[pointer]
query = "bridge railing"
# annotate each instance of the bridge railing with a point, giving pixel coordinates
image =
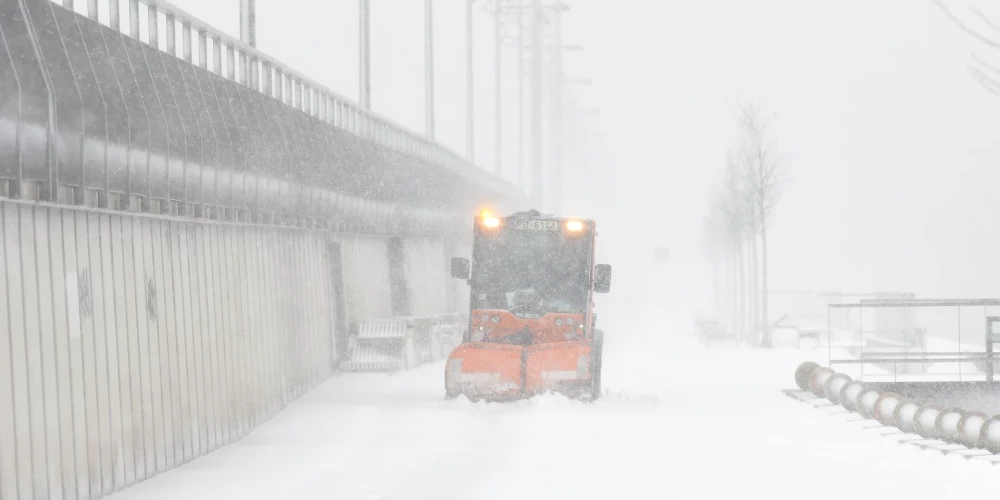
(192, 40)
(135, 105)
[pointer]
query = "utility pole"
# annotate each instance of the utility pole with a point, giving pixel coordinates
(248, 22)
(248, 35)
(556, 177)
(498, 67)
(365, 87)
(520, 95)
(469, 133)
(536, 103)
(429, 68)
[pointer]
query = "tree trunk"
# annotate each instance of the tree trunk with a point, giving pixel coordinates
(766, 339)
(734, 283)
(741, 304)
(754, 290)
(748, 284)
(716, 303)
(744, 257)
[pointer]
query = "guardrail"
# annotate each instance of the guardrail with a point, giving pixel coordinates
(169, 115)
(262, 73)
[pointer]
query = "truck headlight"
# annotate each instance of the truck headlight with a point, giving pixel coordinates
(478, 334)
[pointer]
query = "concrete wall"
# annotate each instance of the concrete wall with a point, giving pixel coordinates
(132, 343)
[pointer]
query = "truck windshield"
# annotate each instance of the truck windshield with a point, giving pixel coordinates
(541, 271)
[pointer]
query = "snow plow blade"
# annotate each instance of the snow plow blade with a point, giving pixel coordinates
(503, 372)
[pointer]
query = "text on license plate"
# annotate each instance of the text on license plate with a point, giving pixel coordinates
(537, 225)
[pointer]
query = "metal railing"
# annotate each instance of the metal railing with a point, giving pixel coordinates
(908, 348)
(135, 105)
(262, 73)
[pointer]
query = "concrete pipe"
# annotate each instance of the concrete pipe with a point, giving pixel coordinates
(802, 374)
(819, 377)
(866, 402)
(903, 416)
(989, 437)
(970, 428)
(850, 393)
(833, 386)
(925, 420)
(885, 407)
(946, 425)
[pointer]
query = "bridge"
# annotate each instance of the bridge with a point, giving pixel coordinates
(191, 232)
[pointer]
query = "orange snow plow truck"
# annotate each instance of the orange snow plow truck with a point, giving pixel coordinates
(531, 320)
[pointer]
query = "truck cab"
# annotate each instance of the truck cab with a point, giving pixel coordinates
(531, 313)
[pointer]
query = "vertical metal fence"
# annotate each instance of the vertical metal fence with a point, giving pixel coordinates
(132, 344)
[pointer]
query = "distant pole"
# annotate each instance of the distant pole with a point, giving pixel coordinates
(469, 132)
(557, 88)
(498, 66)
(429, 68)
(536, 102)
(520, 94)
(365, 87)
(248, 22)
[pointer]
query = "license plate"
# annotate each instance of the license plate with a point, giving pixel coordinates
(537, 225)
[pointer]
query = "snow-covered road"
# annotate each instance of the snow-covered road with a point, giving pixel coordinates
(693, 423)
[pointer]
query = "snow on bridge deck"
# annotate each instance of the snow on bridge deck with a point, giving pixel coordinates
(695, 423)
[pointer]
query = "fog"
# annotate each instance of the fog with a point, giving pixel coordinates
(889, 142)
(180, 318)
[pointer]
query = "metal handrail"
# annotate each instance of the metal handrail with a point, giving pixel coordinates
(327, 106)
(867, 304)
(897, 360)
(916, 354)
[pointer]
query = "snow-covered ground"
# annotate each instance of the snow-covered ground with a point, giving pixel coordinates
(678, 421)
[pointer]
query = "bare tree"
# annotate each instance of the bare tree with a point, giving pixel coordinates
(763, 173)
(719, 244)
(986, 74)
(717, 249)
(733, 205)
(751, 230)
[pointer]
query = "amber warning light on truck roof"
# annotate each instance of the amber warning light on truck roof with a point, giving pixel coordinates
(489, 220)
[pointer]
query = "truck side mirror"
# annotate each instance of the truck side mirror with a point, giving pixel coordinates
(602, 278)
(460, 268)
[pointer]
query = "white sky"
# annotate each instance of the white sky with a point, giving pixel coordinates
(892, 145)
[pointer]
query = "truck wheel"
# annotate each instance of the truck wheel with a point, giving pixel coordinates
(596, 355)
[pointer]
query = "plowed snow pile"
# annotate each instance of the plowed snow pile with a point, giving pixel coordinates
(678, 421)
